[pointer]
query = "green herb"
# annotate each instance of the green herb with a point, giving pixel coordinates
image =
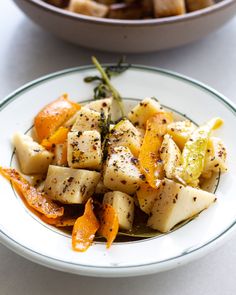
(105, 88)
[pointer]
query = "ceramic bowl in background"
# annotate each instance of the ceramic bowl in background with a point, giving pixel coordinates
(128, 36)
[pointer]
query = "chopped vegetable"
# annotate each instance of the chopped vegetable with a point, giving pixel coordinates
(176, 203)
(70, 186)
(109, 223)
(33, 158)
(181, 131)
(58, 137)
(146, 197)
(37, 200)
(194, 152)
(149, 157)
(53, 115)
(123, 205)
(85, 228)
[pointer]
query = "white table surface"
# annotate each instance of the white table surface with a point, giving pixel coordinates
(26, 53)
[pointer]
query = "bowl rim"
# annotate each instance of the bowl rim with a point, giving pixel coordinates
(224, 4)
(120, 271)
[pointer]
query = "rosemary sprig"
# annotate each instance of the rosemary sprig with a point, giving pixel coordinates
(104, 87)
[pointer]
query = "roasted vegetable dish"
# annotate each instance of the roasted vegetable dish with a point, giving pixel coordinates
(97, 176)
(131, 9)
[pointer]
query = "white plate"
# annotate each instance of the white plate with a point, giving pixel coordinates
(25, 234)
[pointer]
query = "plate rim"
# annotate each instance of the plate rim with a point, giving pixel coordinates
(115, 271)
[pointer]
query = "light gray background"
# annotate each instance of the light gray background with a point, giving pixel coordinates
(26, 53)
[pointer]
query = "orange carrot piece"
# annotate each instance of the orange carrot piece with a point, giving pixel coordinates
(35, 199)
(58, 137)
(149, 156)
(85, 228)
(53, 115)
(109, 223)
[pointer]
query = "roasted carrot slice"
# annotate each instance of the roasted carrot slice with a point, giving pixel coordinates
(58, 137)
(85, 228)
(53, 115)
(109, 223)
(35, 199)
(149, 156)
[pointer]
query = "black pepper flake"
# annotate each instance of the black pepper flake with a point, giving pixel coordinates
(194, 199)
(123, 181)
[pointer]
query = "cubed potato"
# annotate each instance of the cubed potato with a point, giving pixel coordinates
(146, 197)
(170, 155)
(143, 111)
(100, 105)
(193, 5)
(84, 150)
(70, 186)
(176, 203)
(180, 132)
(121, 172)
(168, 7)
(125, 134)
(87, 120)
(33, 158)
(124, 207)
(215, 159)
(60, 155)
(88, 7)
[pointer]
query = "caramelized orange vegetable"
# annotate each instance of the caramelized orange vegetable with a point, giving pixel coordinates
(35, 199)
(109, 223)
(85, 228)
(59, 136)
(53, 115)
(149, 156)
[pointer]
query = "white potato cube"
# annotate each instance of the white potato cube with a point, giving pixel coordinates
(143, 111)
(84, 150)
(125, 134)
(170, 155)
(121, 172)
(33, 158)
(176, 203)
(88, 7)
(70, 186)
(216, 155)
(169, 7)
(100, 105)
(124, 207)
(87, 120)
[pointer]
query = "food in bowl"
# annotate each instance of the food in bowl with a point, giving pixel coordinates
(131, 9)
(138, 176)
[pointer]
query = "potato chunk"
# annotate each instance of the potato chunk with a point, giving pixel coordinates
(143, 111)
(84, 150)
(70, 186)
(33, 158)
(170, 155)
(168, 7)
(121, 172)
(124, 207)
(176, 203)
(146, 197)
(125, 134)
(88, 7)
(180, 131)
(100, 105)
(193, 5)
(215, 159)
(87, 120)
